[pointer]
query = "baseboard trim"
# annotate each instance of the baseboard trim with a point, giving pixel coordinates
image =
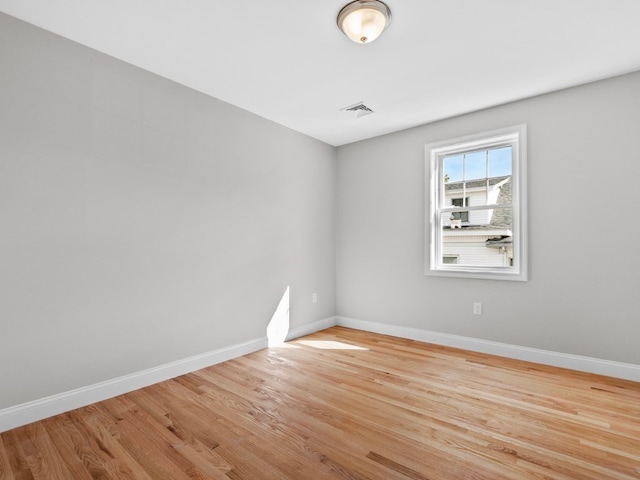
(598, 366)
(312, 328)
(29, 412)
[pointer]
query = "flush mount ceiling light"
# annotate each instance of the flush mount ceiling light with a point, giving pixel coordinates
(364, 20)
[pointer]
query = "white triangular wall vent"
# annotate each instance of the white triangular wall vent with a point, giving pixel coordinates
(357, 110)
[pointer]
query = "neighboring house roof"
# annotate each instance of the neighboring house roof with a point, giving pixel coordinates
(452, 186)
(503, 240)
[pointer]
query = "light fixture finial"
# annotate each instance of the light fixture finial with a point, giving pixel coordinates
(364, 20)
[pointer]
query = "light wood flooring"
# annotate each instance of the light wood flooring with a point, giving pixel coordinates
(345, 404)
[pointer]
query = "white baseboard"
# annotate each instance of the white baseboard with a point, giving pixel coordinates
(29, 412)
(609, 368)
(311, 328)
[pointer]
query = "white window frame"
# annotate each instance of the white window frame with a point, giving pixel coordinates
(435, 203)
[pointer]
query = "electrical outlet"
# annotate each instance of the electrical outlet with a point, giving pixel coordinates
(477, 308)
(314, 297)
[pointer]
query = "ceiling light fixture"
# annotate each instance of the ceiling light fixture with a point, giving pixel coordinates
(364, 20)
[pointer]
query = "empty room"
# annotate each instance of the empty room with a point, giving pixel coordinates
(304, 240)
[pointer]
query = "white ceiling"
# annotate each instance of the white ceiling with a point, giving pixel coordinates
(287, 61)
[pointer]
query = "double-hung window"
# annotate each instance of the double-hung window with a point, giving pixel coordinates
(476, 225)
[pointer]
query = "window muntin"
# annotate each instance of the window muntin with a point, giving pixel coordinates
(477, 206)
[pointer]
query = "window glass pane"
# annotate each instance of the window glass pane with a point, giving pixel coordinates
(462, 216)
(487, 241)
(460, 202)
(475, 165)
(500, 163)
(452, 168)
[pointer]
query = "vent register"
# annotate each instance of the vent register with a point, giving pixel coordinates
(357, 110)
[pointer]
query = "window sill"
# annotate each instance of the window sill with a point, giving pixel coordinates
(508, 273)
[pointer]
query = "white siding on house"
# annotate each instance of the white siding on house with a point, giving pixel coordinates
(472, 250)
(476, 217)
(478, 197)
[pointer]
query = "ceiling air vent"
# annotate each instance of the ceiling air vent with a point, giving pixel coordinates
(357, 110)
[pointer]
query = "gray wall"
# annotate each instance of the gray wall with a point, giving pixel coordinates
(584, 230)
(142, 222)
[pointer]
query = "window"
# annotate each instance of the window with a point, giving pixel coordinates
(449, 259)
(462, 216)
(477, 206)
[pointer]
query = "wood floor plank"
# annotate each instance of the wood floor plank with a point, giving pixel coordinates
(45, 462)
(82, 461)
(144, 441)
(346, 404)
(196, 413)
(5, 467)
(101, 424)
(17, 451)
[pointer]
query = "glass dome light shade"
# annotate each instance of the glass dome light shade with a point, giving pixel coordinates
(364, 20)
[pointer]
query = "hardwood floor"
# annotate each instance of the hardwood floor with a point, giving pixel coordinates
(345, 404)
